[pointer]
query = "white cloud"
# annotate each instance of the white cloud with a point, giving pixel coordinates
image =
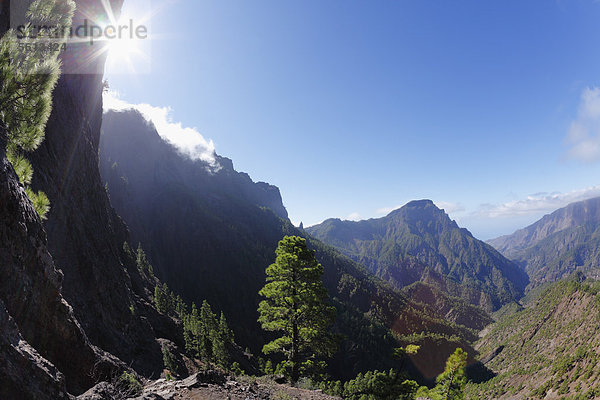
(584, 132)
(187, 140)
(536, 203)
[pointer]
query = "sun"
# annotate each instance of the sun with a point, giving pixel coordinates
(127, 43)
(122, 49)
(125, 54)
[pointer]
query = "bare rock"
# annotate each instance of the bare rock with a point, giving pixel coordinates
(24, 373)
(102, 391)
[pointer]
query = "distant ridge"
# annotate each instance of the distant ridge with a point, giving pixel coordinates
(558, 244)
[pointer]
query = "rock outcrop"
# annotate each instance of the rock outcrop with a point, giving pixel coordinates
(24, 373)
(210, 385)
(31, 290)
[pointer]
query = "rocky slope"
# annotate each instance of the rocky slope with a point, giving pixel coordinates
(549, 350)
(31, 291)
(419, 242)
(24, 373)
(211, 234)
(209, 385)
(558, 244)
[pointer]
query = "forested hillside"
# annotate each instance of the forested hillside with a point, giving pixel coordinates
(210, 233)
(548, 349)
(419, 242)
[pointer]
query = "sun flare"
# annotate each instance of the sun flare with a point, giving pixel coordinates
(127, 43)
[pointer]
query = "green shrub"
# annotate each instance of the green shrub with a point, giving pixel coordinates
(129, 384)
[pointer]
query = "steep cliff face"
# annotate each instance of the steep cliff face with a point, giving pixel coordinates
(24, 373)
(204, 227)
(85, 236)
(31, 292)
(40, 334)
(110, 297)
(557, 245)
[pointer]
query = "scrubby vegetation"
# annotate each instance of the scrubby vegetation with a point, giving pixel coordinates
(127, 385)
(548, 347)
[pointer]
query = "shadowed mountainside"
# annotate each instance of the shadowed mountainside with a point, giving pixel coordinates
(211, 232)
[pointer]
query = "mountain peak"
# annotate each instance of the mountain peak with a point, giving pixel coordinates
(414, 204)
(420, 203)
(404, 245)
(421, 211)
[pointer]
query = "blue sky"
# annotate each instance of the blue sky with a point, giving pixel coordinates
(351, 108)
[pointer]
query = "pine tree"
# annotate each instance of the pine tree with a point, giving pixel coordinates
(194, 327)
(160, 299)
(127, 250)
(296, 304)
(142, 261)
(169, 360)
(223, 338)
(208, 326)
(29, 70)
(451, 382)
(269, 368)
(180, 307)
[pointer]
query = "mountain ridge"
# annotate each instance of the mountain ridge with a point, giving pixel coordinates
(419, 240)
(558, 244)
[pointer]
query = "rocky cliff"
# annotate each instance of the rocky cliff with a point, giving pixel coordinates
(85, 235)
(31, 297)
(560, 243)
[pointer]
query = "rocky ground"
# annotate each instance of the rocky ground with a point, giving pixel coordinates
(209, 385)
